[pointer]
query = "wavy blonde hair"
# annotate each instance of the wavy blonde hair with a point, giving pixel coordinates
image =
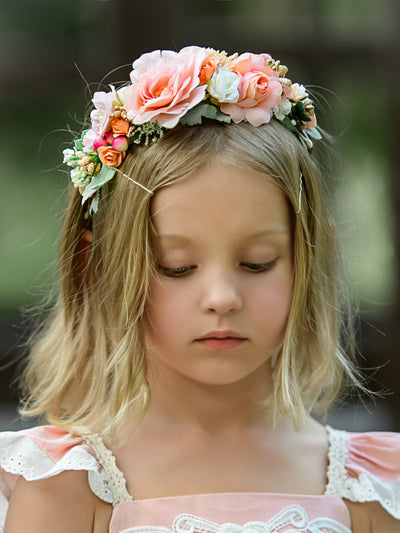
(86, 369)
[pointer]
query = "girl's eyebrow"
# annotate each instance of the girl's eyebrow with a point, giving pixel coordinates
(259, 235)
(274, 230)
(171, 237)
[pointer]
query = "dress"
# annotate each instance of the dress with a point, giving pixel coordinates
(362, 467)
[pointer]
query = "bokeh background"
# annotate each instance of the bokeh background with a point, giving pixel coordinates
(54, 53)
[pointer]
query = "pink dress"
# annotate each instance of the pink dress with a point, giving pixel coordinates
(362, 467)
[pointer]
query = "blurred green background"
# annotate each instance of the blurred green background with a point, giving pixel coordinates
(53, 54)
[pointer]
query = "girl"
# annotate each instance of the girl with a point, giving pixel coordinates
(198, 323)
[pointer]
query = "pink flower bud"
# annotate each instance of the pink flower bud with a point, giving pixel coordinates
(120, 143)
(109, 137)
(100, 141)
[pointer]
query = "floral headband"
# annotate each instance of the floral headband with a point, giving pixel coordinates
(184, 87)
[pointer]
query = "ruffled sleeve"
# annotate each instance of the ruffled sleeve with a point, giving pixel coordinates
(43, 452)
(365, 467)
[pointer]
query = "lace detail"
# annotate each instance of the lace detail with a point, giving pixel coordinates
(114, 477)
(337, 457)
(364, 488)
(293, 517)
(20, 456)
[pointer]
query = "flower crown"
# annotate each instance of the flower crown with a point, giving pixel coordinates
(184, 87)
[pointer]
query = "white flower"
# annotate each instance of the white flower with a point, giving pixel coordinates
(297, 92)
(282, 109)
(223, 86)
(68, 155)
(79, 177)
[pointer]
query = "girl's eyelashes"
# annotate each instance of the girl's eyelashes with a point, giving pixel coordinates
(258, 268)
(177, 272)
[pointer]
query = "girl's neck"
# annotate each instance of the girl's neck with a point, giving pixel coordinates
(183, 402)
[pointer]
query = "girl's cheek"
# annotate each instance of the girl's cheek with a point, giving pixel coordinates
(275, 304)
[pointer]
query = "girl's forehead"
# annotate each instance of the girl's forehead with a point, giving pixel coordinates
(216, 180)
(224, 199)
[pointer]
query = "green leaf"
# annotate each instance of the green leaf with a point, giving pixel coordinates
(314, 133)
(221, 117)
(104, 176)
(299, 113)
(289, 125)
(195, 115)
(204, 110)
(78, 143)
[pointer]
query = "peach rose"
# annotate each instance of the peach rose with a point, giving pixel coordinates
(259, 91)
(297, 92)
(120, 126)
(110, 157)
(165, 85)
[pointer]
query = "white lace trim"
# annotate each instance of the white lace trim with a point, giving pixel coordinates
(337, 457)
(292, 516)
(365, 488)
(115, 478)
(19, 455)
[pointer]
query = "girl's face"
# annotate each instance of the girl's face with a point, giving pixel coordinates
(219, 304)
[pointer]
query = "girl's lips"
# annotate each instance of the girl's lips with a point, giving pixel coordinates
(226, 343)
(221, 340)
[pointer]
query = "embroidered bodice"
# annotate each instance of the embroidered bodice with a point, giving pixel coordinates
(362, 467)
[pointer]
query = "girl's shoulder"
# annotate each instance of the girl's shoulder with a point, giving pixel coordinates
(365, 467)
(61, 503)
(43, 452)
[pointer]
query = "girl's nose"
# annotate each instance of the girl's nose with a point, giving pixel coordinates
(221, 294)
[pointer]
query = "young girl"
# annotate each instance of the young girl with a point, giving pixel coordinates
(198, 323)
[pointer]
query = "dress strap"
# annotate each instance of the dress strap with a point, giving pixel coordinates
(114, 477)
(337, 457)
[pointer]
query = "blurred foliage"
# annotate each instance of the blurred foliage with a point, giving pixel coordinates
(41, 41)
(33, 185)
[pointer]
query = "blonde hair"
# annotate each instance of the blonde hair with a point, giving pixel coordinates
(87, 371)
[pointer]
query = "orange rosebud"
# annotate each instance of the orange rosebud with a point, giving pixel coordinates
(213, 59)
(110, 157)
(120, 126)
(208, 68)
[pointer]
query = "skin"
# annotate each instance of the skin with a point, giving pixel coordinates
(219, 272)
(225, 272)
(225, 268)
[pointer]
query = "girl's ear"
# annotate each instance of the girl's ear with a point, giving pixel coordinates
(83, 250)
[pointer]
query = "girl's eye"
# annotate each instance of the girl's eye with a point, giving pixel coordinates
(259, 267)
(175, 272)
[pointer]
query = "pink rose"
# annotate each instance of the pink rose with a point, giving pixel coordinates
(100, 116)
(88, 140)
(259, 91)
(165, 85)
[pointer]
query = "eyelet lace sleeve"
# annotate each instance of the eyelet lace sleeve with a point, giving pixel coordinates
(365, 467)
(43, 452)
